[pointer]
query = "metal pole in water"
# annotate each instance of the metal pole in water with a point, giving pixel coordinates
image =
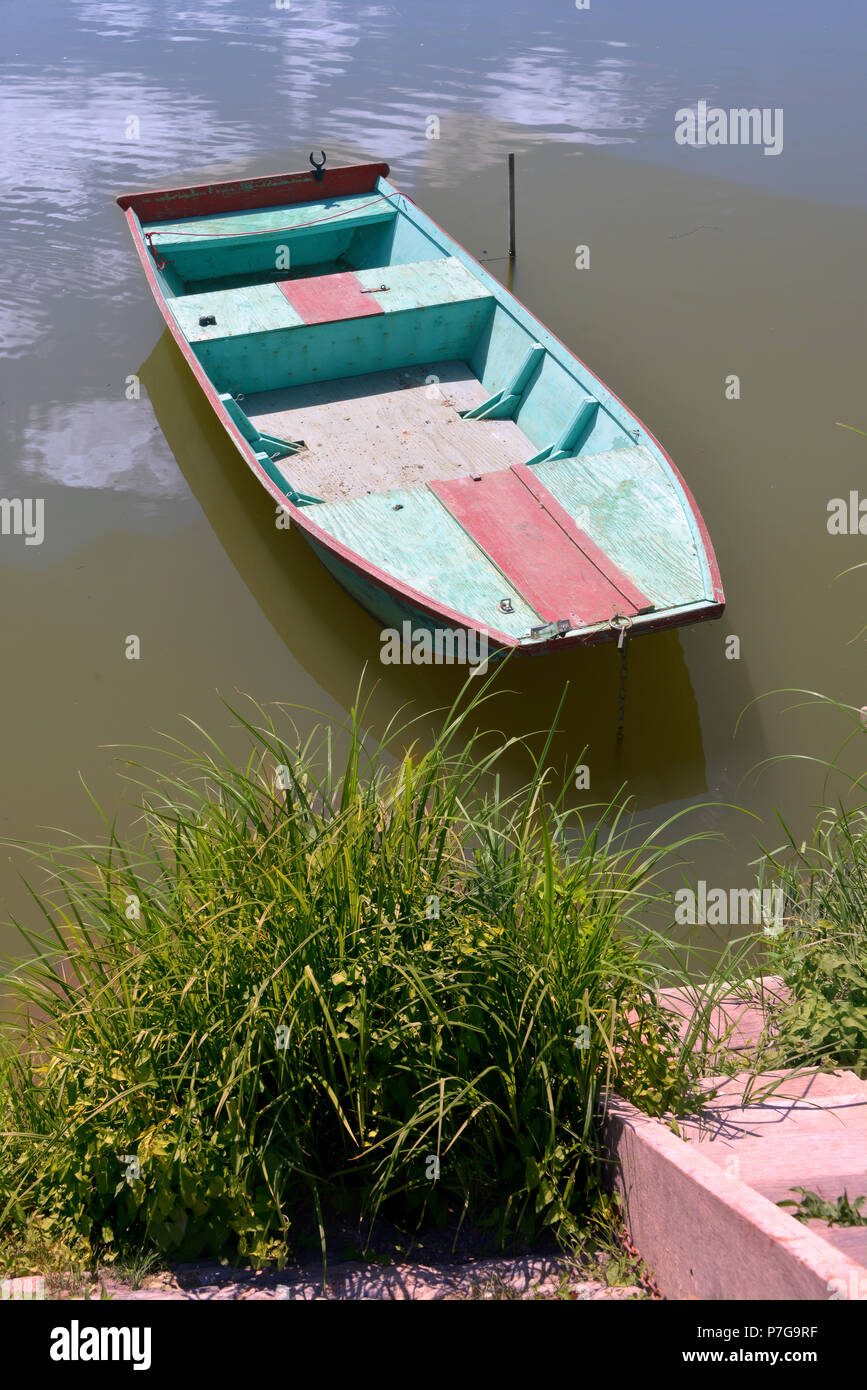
(512, 206)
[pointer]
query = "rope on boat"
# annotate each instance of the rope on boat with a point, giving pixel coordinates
(160, 265)
(272, 231)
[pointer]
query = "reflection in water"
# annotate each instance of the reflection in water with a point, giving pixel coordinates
(85, 129)
(597, 103)
(97, 444)
(73, 130)
(693, 277)
(333, 638)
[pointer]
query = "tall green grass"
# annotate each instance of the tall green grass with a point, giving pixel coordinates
(821, 953)
(384, 988)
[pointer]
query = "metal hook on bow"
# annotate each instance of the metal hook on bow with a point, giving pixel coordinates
(620, 623)
(318, 169)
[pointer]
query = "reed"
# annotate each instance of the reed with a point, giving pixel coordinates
(387, 987)
(821, 950)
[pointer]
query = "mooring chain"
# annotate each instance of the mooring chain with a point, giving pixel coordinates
(621, 695)
(622, 625)
(647, 1280)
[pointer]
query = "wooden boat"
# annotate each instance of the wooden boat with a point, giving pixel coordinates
(450, 461)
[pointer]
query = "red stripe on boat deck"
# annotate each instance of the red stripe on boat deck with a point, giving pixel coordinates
(606, 566)
(328, 298)
(538, 547)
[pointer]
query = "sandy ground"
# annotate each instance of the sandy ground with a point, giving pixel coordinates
(524, 1278)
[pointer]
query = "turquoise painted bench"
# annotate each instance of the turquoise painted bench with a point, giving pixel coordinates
(254, 309)
(263, 308)
(244, 242)
(428, 311)
(359, 211)
(235, 313)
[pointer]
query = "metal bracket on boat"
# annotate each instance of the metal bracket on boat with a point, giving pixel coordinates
(318, 169)
(622, 624)
(555, 629)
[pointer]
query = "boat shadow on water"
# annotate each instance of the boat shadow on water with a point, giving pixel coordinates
(661, 755)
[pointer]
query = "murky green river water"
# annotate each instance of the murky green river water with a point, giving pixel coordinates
(704, 263)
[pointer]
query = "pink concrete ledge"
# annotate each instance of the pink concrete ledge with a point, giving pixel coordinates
(706, 1235)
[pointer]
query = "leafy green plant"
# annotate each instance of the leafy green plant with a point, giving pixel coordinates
(820, 947)
(811, 1206)
(134, 1266)
(390, 989)
(821, 954)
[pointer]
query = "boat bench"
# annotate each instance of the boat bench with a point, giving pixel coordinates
(289, 332)
(205, 248)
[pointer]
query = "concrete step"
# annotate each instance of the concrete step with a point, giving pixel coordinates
(849, 1240)
(774, 1085)
(708, 1235)
(737, 1019)
(831, 1115)
(704, 1212)
(795, 1158)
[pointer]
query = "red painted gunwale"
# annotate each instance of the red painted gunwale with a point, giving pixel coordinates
(153, 205)
(239, 195)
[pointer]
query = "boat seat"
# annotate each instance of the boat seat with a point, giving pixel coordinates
(411, 536)
(629, 506)
(288, 332)
(318, 299)
(207, 234)
(219, 314)
(231, 243)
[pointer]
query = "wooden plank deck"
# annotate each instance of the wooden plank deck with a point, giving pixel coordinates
(543, 562)
(410, 535)
(387, 430)
(631, 509)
